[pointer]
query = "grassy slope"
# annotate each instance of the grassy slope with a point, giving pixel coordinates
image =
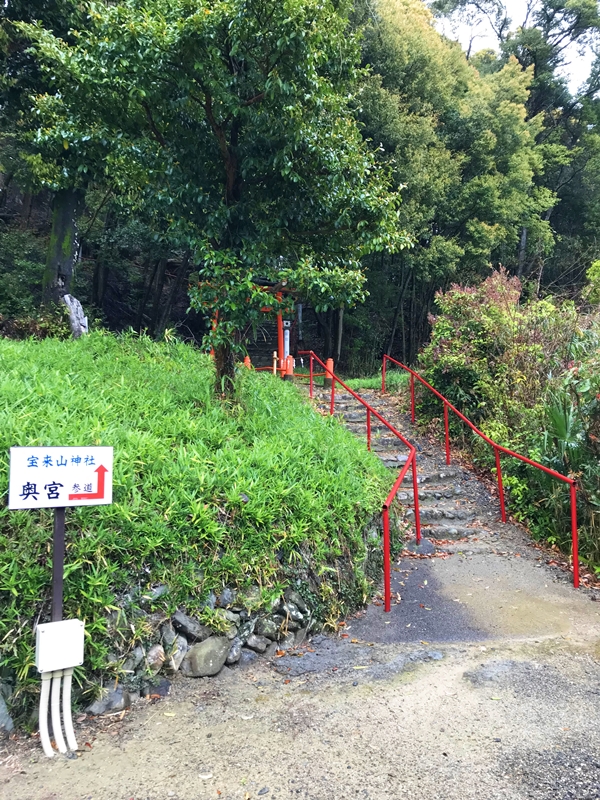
(205, 495)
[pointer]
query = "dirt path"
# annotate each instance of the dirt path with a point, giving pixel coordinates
(483, 682)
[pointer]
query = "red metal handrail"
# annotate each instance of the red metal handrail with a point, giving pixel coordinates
(411, 462)
(498, 448)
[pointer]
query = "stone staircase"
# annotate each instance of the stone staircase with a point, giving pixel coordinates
(453, 502)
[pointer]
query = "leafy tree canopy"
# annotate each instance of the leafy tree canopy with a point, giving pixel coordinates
(230, 124)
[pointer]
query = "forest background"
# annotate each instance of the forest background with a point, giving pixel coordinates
(444, 163)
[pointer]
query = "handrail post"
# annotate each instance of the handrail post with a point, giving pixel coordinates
(368, 428)
(383, 374)
(416, 498)
(447, 431)
(500, 485)
(412, 398)
(574, 535)
(387, 561)
(332, 404)
(311, 376)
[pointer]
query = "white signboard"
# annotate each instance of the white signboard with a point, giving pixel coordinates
(56, 477)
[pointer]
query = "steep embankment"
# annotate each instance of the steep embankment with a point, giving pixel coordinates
(250, 495)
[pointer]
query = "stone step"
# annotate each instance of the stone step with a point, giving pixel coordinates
(434, 478)
(393, 460)
(450, 532)
(428, 513)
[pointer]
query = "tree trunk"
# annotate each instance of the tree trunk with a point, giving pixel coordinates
(158, 289)
(173, 292)
(340, 333)
(147, 288)
(399, 305)
(225, 368)
(64, 245)
(99, 282)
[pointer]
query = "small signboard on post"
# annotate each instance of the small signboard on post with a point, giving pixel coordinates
(59, 477)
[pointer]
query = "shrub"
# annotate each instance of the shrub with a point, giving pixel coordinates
(528, 375)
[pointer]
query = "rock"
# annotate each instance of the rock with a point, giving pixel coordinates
(293, 597)
(300, 636)
(293, 612)
(211, 600)
(289, 640)
(227, 597)
(168, 634)
(235, 618)
(7, 725)
(152, 595)
(134, 659)
(156, 658)
(268, 627)
(206, 658)
(177, 653)
(77, 319)
(251, 597)
(235, 651)
(192, 629)
(258, 643)
(115, 700)
(156, 687)
(247, 657)
(246, 629)
(272, 649)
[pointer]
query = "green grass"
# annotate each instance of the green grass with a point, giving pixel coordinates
(395, 379)
(259, 490)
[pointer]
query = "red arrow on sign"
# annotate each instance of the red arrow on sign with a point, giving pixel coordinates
(98, 495)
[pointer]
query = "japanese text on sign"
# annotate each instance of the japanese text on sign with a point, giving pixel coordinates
(55, 477)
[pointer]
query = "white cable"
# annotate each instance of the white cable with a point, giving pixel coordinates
(44, 697)
(67, 716)
(56, 726)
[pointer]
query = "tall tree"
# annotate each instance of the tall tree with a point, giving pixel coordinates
(235, 117)
(463, 149)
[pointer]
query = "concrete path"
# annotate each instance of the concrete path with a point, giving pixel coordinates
(483, 683)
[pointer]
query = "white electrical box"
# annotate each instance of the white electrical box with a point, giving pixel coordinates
(59, 645)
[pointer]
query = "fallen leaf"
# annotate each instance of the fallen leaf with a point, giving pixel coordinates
(169, 714)
(205, 776)
(360, 667)
(345, 635)
(287, 680)
(88, 745)
(354, 641)
(422, 642)
(250, 716)
(279, 653)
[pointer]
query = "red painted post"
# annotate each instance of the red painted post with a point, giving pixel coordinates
(412, 398)
(574, 536)
(416, 499)
(368, 428)
(387, 562)
(500, 484)
(383, 375)
(280, 347)
(447, 430)
(311, 376)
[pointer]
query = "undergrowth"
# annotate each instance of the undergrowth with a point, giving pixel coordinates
(258, 491)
